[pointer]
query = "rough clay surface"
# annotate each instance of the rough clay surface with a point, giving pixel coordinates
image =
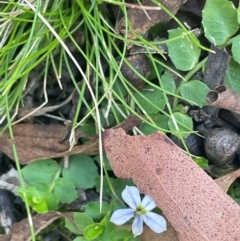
(195, 206)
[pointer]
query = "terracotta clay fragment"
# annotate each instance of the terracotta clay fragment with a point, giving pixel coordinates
(192, 202)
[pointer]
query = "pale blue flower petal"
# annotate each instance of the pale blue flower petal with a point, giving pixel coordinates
(137, 226)
(131, 196)
(155, 221)
(148, 203)
(121, 216)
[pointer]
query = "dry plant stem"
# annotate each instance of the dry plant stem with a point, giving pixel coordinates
(225, 98)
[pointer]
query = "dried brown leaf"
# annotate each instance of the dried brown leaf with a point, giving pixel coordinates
(21, 230)
(192, 202)
(34, 141)
(225, 181)
(139, 20)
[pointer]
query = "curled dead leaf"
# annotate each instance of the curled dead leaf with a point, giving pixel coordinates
(225, 98)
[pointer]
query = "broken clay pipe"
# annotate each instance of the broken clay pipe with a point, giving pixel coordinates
(225, 98)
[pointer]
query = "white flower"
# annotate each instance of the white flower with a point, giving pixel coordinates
(140, 211)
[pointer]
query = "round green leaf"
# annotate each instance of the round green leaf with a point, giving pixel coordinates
(106, 189)
(117, 235)
(117, 115)
(82, 171)
(219, 21)
(117, 87)
(52, 201)
(119, 184)
(65, 190)
(88, 128)
(238, 14)
(108, 229)
(237, 192)
(233, 76)
(81, 220)
(168, 83)
(93, 209)
(41, 186)
(195, 91)
(160, 120)
(80, 239)
(153, 100)
(155, 72)
(42, 170)
(236, 48)
(183, 51)
(92, 231)
(105, 161)
(184, 124)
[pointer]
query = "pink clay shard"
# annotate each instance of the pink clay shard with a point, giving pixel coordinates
(192, 202)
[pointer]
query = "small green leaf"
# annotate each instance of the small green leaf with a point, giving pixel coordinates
(106, 189)
(180, 108)
(236, 48)
(238, 14)
(119, 88)
(184, 124)
(41, 186)
(168, 83)
(153, 100)
(153, 74)
(42, 170)
(160, 120)
(237, 192)
(80, 239)
(116, 113)
(88, 128)
(93, 209)
(81, 220)
(119, 235)
(119, 185)
(219, 21)
(108, 229)
(195, 91)
(105, 161)
(52, 201)
(106, 121)
(92, 231)
(201, 161)
(82, 171)
(233, 76)
(36, 199)
(183, 51)
(65, 190)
